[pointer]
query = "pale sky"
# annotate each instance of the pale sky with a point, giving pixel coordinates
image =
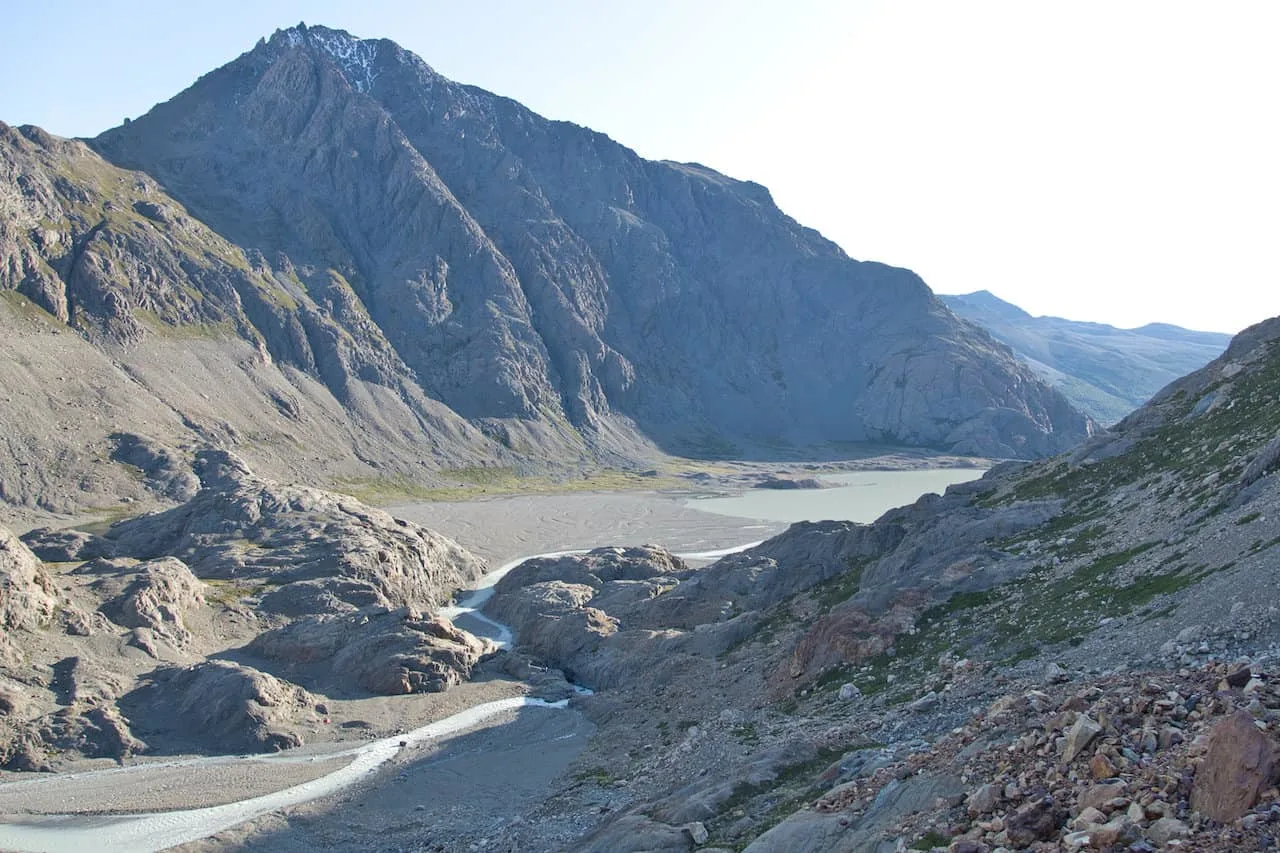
(1107, 161)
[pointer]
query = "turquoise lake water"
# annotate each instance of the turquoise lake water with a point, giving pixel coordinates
(853, 496)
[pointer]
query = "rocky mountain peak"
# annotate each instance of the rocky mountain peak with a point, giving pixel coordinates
(541, 278)
(357, 58)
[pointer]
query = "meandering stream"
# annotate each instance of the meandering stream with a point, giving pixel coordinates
(152, 832)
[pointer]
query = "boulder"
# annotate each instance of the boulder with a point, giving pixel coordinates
(1240, 763)
(1079, 736)
(1034, 821)
(983, 800)
(1166, 829)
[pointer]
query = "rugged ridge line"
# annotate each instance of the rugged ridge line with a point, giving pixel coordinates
(1105, 371)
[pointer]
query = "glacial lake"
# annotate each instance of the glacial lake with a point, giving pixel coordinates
(861, 496)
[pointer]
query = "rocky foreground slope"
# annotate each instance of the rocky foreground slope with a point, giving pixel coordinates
(337, 263)
(234, 622)
(1078, 653)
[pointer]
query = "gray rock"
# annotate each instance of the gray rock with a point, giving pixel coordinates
(810, 831)
(983, 800)
(219, 706)
(387, 653)
(160, 595)
(634, 833)
(27, 596)
(1166, 829)
(66, 545)
(98, 731)
(242, 527)
(165, 470)
(1079, 736)
(697, 831)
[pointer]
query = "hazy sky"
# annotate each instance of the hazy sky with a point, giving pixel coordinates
(1109, 161)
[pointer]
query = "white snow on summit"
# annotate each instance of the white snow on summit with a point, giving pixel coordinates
(354, 56)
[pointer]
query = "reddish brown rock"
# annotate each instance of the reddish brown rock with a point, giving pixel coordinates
(1096, 796)
(1241, 763)
(1033, 822)
(1239, 677)
(1101, 767)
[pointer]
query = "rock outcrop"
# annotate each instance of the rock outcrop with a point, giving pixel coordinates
(220, 706)
(590, 614)
(123, 656)
(261, 536)
(387, 653)
(66, 545)
(157, 595)
(27, 596)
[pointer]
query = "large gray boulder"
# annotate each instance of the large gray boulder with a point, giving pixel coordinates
(387, 653)
(220, 706)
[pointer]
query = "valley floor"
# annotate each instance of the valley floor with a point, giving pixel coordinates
(486, 774)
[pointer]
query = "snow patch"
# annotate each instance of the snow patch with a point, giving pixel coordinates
(354, 56)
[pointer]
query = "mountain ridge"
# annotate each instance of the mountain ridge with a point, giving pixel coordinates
(346, 287)
(631, 255)
(1106, 371)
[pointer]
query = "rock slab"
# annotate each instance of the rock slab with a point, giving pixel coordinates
(1240, 764)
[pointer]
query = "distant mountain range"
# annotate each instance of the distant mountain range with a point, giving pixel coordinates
(336, 262)
(1105, 371)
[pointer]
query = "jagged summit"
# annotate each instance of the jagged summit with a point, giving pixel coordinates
(355, 56)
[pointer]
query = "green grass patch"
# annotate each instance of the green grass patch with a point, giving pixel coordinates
(840, 588)
(104, 517)
(930, 840)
